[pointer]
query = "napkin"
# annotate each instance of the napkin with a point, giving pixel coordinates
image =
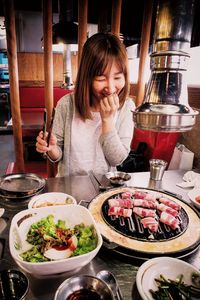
(190, 179)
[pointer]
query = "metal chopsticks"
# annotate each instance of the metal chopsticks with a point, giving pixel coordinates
(44, 123)
(45, 127)
(50, 126)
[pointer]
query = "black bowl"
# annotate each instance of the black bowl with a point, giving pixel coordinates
(14, 285)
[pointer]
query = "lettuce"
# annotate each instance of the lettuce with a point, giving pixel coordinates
(46, 234)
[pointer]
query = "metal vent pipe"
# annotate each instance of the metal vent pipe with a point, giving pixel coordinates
(165, 106)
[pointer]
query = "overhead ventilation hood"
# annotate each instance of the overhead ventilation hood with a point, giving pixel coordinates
(165, 106)
(65, 31)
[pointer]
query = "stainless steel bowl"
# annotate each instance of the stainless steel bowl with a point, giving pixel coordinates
(14, 285)
(86, 286)
(118, 178)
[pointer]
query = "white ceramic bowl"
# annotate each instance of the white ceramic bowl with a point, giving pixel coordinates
(170, 268)
(72, 215)
(51, 199)
(193, 194)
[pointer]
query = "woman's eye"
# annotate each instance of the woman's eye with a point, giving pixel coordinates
(100, 79)
(118, 77)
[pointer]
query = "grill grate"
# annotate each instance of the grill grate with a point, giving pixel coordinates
(133, 228)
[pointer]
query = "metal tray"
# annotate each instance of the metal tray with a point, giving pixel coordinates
(20, 184)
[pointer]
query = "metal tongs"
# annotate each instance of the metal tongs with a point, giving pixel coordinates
(50, 126)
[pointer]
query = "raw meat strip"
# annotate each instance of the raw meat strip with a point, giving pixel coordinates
(169, 220)
(119, 211)
(168, 209)
(150, 197)
(126, 195)
(144, 203)
(144, 212)
(170, 203)
(126, 203)
(140, 195)
(150, 223)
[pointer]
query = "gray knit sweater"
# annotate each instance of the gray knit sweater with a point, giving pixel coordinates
(115, 144)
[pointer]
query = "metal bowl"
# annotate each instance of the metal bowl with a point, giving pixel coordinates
(84, 286)
(118, 178)
(13, 285)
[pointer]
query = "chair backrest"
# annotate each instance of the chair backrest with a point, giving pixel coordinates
(33, 97)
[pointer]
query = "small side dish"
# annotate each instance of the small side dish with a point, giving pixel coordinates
(194, 196)
(51, 199)
(118, 178)
(175, 289)
(14, 284)
(168, 278)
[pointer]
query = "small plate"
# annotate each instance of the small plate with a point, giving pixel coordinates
(21, 184)
(193, 194)
(51, 199)
(170, 268)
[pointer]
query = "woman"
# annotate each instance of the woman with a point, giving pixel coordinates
(93, 127)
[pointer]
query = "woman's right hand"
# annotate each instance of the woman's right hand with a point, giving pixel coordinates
(41, 144)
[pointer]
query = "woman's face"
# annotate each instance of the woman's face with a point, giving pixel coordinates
(110, 82)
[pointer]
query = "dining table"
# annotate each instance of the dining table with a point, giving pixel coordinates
(84, 189)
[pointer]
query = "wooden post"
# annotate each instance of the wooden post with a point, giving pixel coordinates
(48, 67)
(144, 47)
(116, 16)
(82, 25)
(103, 16)
(14, 83)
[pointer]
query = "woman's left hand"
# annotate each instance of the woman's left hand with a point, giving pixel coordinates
(108, 107)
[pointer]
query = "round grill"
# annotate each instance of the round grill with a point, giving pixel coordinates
(133, 228)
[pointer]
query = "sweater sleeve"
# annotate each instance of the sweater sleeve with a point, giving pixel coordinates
(61, 115)
(116, 144)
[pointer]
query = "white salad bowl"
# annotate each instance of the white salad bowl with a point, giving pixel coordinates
(51, 199)
(72, 215)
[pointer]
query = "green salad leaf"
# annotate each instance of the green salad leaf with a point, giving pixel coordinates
(46, 234)
(87, 239)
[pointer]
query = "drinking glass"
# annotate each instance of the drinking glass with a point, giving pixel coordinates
(157, 168)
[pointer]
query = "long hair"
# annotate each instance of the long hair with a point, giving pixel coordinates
(99, 51)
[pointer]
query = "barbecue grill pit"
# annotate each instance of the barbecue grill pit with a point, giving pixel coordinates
(133, 228)
(126, 237)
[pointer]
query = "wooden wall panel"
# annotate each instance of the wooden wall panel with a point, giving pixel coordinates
(31, 68)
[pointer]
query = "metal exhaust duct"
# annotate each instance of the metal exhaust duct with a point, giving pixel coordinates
(66, 32)
(165, 107)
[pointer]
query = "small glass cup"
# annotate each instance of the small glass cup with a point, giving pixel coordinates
(157, 168)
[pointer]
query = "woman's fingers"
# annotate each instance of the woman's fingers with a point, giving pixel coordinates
(110, 103)
(41, 143)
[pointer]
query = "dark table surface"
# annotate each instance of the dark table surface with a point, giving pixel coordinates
(82, 188)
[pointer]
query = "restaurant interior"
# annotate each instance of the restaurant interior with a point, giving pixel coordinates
(136, 26)
(41, 43)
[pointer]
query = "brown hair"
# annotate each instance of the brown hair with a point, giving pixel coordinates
(99, 50)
